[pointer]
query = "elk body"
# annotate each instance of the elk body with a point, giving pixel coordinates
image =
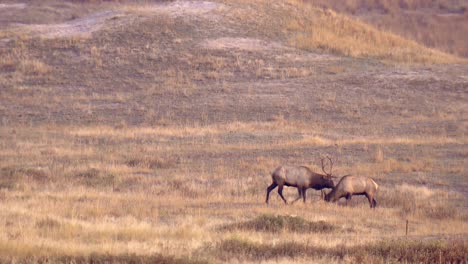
(300, 177)
(354, 185)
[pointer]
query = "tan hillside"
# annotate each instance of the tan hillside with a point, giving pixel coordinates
(441, 24)
(146, 131)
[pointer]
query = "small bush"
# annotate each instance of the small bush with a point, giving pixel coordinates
(275, 224)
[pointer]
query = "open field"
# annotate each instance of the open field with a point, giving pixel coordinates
(147, 132)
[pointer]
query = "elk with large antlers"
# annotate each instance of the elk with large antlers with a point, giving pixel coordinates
(300, 177)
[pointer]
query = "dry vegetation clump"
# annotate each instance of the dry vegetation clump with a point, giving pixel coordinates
(153, 162)
(107, 258)
(14, 176)
(243, 249)
(93, 178)
(280, 223)
(382, 251)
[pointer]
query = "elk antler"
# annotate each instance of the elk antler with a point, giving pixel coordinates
(323, 166)
(331, 164)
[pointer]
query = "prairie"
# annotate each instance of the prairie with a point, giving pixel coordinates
(147, 131)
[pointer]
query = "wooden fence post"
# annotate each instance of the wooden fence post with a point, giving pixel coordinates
(406, 226)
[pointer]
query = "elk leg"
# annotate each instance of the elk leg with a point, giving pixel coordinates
(348, 198)
(371, 202)
(269, 189)
(304, 191)
(280, 192)
(299, 191)
(374, 203)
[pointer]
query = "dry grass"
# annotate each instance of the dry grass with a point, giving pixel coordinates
(385, 251)
(275, 224)
(337, 33)
(99, 193)
(141, 143)
(427, 22)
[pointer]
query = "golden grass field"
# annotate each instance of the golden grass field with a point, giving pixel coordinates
(147, 131)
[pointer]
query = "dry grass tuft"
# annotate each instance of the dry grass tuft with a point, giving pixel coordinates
(34, 67)
(279, 223)
(153, 162)
(93, 178)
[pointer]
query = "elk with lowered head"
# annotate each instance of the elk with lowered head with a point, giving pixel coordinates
(354, 185)
(300, 177)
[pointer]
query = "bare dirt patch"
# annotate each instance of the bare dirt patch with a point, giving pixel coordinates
(248, 44)
(15, 6)
(178, 8)
(75, 28)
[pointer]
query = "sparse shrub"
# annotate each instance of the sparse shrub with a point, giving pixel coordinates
(47, 223)
(153, 163)
(88, 174)
(275, 224)
(184, 187)
(160, 163)
(94, 178)
(12, 176)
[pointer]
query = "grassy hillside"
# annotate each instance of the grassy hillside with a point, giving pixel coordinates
(147, 131)
(441, 24)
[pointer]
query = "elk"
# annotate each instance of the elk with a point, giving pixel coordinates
(300, 177)
(354, 185)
